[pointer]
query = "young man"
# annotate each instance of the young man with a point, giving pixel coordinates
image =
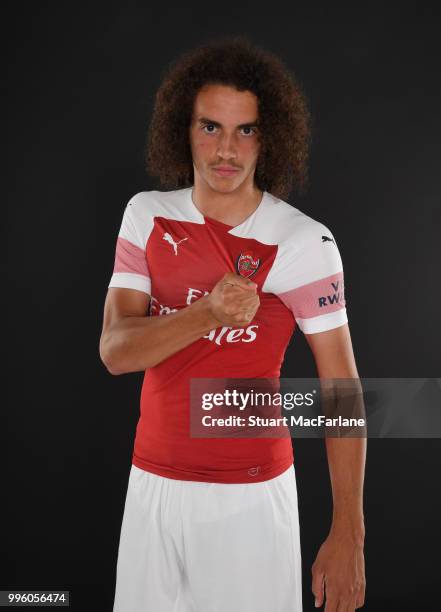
(210, 280)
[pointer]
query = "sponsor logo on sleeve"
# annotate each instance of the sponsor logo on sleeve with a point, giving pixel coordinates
(338, 297)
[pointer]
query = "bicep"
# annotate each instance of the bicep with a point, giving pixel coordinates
(123, 302)
(333, 353)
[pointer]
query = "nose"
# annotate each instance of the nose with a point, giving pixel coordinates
(226, 146)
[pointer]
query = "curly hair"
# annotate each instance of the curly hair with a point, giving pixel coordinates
(284, 118)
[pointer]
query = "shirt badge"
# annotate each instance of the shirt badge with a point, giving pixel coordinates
(245, 264)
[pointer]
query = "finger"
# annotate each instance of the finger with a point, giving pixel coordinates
(347, 604)
(342, 606)
(352, 604)
(331, 602)
(249, 308)
(318, 588)
(245, 317)
(359, 601)
(238, 292)
(251, 302)
(239, 309)
(331, 597)
(239, 281)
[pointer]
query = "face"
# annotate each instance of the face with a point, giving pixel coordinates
(224, 137)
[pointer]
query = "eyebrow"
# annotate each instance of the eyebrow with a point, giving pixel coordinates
(217, 124)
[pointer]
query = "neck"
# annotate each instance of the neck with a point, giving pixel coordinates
(231, 207)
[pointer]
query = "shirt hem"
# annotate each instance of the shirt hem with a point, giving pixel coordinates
(237, 477)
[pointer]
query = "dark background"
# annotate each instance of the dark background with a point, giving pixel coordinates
(81, 82)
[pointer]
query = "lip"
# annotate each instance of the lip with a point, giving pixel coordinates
(225, 170)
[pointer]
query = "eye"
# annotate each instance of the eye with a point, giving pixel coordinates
(250, 133)
(209, 125)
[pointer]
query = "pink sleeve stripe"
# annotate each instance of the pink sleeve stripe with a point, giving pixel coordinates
(319, 297)
(130, 258)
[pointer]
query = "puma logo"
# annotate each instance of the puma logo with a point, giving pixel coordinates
(174, 244)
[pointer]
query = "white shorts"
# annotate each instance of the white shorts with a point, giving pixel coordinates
(189, 546)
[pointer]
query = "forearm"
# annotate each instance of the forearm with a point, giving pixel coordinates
(346, 458)
(339, 565)
(135, 344)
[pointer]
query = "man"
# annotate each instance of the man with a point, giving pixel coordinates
(210, 281)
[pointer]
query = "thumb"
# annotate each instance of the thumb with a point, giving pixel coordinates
(245, 284)
(318, 587)
(250, 284)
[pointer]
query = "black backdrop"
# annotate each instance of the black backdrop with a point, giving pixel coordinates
(81, 81)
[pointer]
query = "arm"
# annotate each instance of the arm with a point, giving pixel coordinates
(131, 341)
(339, 566)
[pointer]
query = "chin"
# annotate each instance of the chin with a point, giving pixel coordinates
(224, 186)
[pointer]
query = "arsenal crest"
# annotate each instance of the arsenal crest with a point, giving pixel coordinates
(246, 265)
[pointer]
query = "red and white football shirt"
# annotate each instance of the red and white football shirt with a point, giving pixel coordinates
(168, 249)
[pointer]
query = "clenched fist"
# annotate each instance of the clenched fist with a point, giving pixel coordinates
(234, 300)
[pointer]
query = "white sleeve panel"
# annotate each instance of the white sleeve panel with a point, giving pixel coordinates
(307, 276)
(130, 268)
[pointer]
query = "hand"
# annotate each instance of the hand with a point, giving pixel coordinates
(339, 570)
(234, 300)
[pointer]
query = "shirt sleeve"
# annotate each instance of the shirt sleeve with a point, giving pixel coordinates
(130, 268)
(313, 270)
